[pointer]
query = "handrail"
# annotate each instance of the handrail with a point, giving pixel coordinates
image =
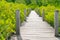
(56, 21)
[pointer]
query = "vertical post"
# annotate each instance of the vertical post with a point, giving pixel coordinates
(56, 22)
(25, 14)
(29, 10)
(43, 14)
(18, 25)
(38, 12)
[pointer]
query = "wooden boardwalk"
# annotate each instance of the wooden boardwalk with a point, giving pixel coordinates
(36, 29)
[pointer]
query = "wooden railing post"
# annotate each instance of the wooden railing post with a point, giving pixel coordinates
(56, 23)
(43, 14)
(38, 12)
(29, 10)
(25, 14)
(18, 25)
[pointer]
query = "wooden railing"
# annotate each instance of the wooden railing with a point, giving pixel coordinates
(56, 21)
(18, 23)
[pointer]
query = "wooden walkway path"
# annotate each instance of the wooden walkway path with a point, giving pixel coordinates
(36, 29)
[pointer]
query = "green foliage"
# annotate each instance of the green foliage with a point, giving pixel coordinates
(8, 10)
(28, 11)
(49, 14)
(8, 18)
(59, 30)
(28, 2)
(10, 0)
(37, 10)
(32, 6)
(20, 1)
(38, 2)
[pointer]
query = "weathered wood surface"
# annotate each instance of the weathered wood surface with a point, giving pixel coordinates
(56, 22)
(36, 29)
(18, 25)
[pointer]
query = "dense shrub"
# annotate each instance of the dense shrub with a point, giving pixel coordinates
(32, 6)
(37, 10)
(8, 18)
(49, 14)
